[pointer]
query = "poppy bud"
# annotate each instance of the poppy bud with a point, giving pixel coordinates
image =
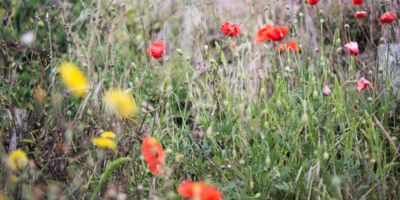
(179, 51)
(315, 94)
(304, 119)
(339, 50)
(325, 156)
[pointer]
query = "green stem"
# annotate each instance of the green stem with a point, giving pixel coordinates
(110, 168)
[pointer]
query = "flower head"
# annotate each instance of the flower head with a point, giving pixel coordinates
(290, 46)
(198, 191)
(74, 79)
(388, 18)
(358, 2)
(352, 48)
(364, 84)
(108, 135)
(269, 32)
(156, 49)
(326, 91)
(361, 14)
(230, 29)
(104, 143)
(153, 154)
(17, 160)
(313, 2)
(119, 102)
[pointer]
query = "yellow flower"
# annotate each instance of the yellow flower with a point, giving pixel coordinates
(119, 102)
(108, 135)
(12, 178)
(104, 143)
(2, 196)
(39, 94)
(17, 160)
(74, 79)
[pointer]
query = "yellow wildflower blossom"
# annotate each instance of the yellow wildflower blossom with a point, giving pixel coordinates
(104, 143)
(74, 79)
(17, 160)
(108, 135)
(119, 102)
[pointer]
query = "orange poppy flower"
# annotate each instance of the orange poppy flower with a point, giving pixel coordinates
(153, 154)
(199, 191)
(269, 32)
(290, 46)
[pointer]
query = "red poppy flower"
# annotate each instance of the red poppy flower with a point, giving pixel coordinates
(153, 154)
(313, 2)
(156, 49)
(388, 18)
(358, 2)
(290, 46)
(364, 84)
(198, 191)
(361, 14)
(269, 32)
(352, 48)
(230, 29)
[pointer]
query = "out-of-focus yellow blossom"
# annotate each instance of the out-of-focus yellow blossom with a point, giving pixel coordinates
(104, 143)
(119, 102)
(17, 160)
(74, 79)
(12, 178)
(108, 135)
(40, 94)
(2, 196)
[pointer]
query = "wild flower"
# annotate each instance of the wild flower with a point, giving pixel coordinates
(269, 32)
(104, 143)
(290, 46)
(326, 91)
(199, 191)
(352, 48)
(388, 18)
(74, 79)
(119, 102)
(153, 154)
(230, 29)
(364, 84)
(156, 49)
(313, 2)
(108, 135)
(358, 2)
(361, 14)
(17, 160)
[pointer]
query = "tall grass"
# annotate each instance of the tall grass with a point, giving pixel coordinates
(227, 111)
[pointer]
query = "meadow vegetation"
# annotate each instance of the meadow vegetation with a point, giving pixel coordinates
(156, 100)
